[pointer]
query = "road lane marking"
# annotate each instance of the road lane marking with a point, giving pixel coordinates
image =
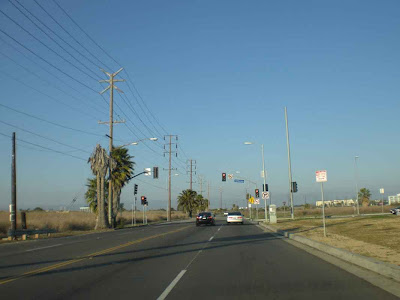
(89, 256)
(171, 285)
(34, 249)
(211, 238)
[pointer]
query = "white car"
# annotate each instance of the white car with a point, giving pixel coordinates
(235, 217)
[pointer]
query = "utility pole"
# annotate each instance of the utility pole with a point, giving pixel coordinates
(289, 166)
(201, 185)
(356, 179)
(170, 169)
(266, 212)
(111, 87)
(220, 197)
(208, 194)
(13, 206)
(192, 169)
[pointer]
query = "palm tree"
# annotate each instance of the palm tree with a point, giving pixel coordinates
(187, 201)
(99, 164)
(363, 195)
(91, 194)
(121, 174)
(201, 203)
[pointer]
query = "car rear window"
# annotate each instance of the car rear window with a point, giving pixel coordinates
(235, 213)
(205, 214)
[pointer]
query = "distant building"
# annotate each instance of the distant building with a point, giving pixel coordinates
(334, 203)
(394, 199)
(85, 209)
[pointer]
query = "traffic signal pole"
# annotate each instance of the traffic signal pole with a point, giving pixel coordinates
(289, 166)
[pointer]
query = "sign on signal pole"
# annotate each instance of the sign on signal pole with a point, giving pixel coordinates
(265, 195)
(381, 191)
(321, 176)
(230, 176)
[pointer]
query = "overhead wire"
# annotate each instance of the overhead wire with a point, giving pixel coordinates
(44, 137)
(44, 147)
(45, 45)
(114, 60)
(57, 43)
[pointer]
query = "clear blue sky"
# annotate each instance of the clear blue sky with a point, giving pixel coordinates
(215, 73)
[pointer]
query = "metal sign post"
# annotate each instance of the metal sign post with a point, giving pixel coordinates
(382, 191)
(321, 176)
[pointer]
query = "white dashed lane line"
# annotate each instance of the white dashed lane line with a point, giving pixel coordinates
(181, 273)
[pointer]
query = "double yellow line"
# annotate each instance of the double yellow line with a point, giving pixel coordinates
(89, 256)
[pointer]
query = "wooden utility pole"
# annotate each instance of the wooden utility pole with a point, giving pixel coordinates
(111, 87)
(208, 194)
(13, 206)
(169, 171)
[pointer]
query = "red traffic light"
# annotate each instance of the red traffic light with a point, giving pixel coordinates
(223, 176)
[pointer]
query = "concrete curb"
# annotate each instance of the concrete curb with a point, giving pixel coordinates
(382, 268)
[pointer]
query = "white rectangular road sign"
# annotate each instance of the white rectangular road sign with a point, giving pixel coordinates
(321, 176)
(230, 176)
(382, 191)
(257, 201)
(265, 195)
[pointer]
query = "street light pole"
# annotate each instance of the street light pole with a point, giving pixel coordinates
(289, 165)
(356, 179)
(266, 212)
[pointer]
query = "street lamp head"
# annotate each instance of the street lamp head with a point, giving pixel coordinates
(153, 139)
(134, 143)
(248, 143)
(356, 156)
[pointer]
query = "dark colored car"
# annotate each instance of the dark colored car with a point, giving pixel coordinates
(205, 218)
(395, 211)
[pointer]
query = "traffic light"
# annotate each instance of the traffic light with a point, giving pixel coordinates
(223, 176)
(155, 172)
(265, 187)
(143, 200)
(257, 192)
(294, 187)
(135, 189)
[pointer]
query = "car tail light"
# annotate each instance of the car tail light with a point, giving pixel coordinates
(240, 217)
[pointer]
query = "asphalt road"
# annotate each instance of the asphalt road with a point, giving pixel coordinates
(176, 261)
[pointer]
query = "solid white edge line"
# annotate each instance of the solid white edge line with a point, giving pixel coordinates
(211, 238)
(43, 248)
(171, 285)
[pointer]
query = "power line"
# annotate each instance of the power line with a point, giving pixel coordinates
(46, 61)
(42, 43)
(3, 73)
(44, 137)
(48, 82)
(47, 148)
(53, 75)
(57, 43)
(50, 122)
(83, 55)
(105, 52)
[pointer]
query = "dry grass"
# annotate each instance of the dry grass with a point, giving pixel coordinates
(300, 212)
(374, 236)
(76, 221)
